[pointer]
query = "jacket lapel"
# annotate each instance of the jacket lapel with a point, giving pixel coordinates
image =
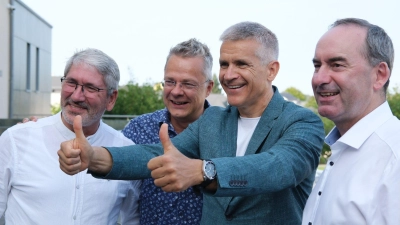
(266, 122)
(263, 127)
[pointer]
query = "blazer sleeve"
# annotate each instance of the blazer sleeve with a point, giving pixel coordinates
(292, 158)
(130, 162)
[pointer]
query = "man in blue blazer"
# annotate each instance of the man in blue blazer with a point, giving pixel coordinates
(255, 160)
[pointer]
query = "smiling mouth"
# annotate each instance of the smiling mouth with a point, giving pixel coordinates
(178, 103)
(234, 86)
(327, 94)
(77, 106)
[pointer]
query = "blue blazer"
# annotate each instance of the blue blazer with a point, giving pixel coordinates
(269, 185)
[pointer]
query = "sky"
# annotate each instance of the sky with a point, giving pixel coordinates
(139, 34)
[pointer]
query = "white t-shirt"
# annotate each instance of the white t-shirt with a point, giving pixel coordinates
(34, 190)
(361, 181)
(246, 127)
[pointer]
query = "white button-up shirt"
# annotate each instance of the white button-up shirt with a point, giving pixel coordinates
(34, 190)
(361, 182)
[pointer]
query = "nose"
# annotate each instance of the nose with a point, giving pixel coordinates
(321, 76)
(177, 89)
(228, 73)
(78, 94)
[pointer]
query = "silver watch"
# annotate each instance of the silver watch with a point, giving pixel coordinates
(209, 171)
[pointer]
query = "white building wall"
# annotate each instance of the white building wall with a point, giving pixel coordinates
(4, 58)
(30, 32)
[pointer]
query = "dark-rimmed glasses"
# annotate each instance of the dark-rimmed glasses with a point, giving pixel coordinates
(183, 85)
(87, 89)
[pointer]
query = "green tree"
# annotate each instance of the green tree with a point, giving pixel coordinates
(134, 99)
(393, 99)
(296, 93)
(216, 89)
(311, 103)
(55, 109)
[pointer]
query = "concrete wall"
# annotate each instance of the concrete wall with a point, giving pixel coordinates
(6, 123)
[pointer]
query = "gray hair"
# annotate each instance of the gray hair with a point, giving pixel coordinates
(269, 50)
(378, 45)
(103, 63)
(194, 48)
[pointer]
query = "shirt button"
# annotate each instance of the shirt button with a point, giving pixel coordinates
(331, 163)
(229, 217)
(309, 223)
(74, 217)
(319, 193)
(77, 186)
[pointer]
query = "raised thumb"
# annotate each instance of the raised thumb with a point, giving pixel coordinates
(78, 130)
(164, 138)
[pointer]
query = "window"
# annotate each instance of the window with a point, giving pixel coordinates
(37, 69)
(28, 67)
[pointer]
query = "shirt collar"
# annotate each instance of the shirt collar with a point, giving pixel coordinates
(165, 117)
(360, 131)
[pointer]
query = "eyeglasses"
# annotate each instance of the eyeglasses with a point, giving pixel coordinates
(183, 85)
(88, 90)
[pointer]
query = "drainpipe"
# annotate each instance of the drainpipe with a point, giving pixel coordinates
(10, 101)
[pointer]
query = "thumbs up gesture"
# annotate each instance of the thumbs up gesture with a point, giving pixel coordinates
(74, 155)
(173, 171)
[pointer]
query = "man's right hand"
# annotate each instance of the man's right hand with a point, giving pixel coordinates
(75, 155)
(32, 118)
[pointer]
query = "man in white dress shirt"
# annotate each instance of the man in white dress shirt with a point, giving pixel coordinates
(33, 190)
(361, 183)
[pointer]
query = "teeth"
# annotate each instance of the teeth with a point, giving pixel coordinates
(234, 87)
(178, 103)
(76, 106)
(329, 94)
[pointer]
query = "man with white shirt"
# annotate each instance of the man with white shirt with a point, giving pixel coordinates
(255, 160)
(360, 185)
(33, 190)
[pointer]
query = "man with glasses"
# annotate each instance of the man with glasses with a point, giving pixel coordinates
(255, 160)
(187, 83)
(32, 188)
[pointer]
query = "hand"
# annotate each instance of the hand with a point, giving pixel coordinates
(74, 155)
(32, 118)
(173, 171)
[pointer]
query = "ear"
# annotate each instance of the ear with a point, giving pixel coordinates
(210, 86)
(273, 68)
(111, 100)
(382, 75)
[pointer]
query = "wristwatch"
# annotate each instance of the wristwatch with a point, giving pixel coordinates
(209, 172)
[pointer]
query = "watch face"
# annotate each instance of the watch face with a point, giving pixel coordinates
(209, 170)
